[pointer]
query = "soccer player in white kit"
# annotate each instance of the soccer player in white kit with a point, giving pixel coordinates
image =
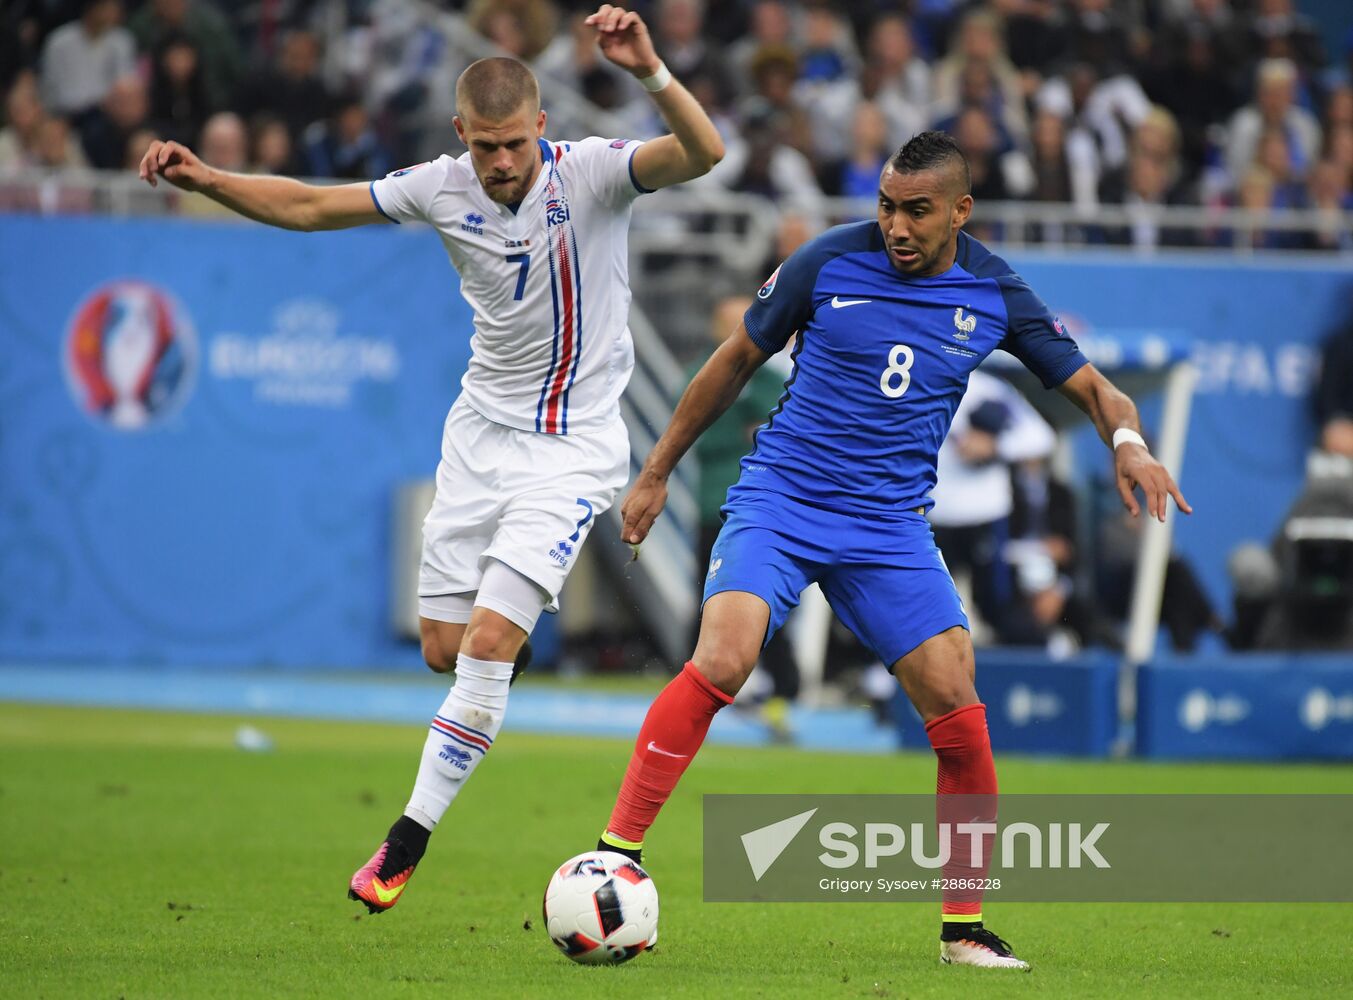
(533, 450)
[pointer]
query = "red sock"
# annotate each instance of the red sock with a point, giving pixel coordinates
(672, 732)
(966, 792)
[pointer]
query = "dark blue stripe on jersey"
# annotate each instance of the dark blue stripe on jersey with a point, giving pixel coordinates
(377, 202)
(784, 396)
(554, 355)
(634, 178)
(577, 325)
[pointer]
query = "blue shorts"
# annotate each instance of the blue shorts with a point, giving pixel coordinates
(883, 577)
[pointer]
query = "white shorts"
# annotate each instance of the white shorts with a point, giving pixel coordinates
(525, 499)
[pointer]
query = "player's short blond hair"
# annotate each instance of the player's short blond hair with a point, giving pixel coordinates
(496, 89)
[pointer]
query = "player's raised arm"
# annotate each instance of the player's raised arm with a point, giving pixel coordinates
(711, 392)
(694, 145)
(277, 201)
(1115, 417)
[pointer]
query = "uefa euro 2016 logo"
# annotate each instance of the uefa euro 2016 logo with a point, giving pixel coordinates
(130, 354)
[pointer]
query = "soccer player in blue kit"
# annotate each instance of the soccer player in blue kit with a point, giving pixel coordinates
(891, 320)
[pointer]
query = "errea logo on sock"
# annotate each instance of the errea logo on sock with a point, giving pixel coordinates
(455, 756)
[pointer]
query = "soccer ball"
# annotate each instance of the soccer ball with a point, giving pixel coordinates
(601, 908)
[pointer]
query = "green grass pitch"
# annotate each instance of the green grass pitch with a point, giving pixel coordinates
(144, 856)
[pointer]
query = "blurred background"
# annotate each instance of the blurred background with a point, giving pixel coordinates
(217, 440)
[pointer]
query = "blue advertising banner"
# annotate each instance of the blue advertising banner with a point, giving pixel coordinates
(1255, 326)
(1036, 705)
(201, 426)
(1256, 706)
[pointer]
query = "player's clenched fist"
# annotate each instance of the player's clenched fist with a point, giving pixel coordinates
(176, 163)
(642, 507)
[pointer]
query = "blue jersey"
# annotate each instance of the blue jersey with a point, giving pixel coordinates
(880, 365)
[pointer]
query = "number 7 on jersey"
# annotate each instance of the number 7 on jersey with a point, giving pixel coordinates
(524, 259)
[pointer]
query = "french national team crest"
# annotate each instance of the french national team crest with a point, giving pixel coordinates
(963, 325)
(130, 354)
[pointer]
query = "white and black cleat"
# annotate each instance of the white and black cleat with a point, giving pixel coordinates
(973, 944)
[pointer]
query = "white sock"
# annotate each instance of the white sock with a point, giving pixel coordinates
(460, 735)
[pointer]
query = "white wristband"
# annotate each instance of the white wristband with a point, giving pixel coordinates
(1126, 435)
(658, 80)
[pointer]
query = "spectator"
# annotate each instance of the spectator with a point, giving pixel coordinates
(768, 166)
(993, 427)
(1150, 182)
(683, 49)
(24, 115)
(178, 93)
(527, 29)
(1274, 155)
(1278, 31)
(996, 176)
(346, 145)
(1196, 87)
(292, 90)
(224, 142)
(81, 60)
(894, 80)
(1035, 35)
(980, 42)
(573, 54)
(137, 144)
(23, 26)
(1255, 194)
(57, 147)
(271, 148)
(1104, 109)
(1065, 165)
(1329, 194)
(1185, 609)
(1339, 106)
(771, 26)
(903, 77)
(857, 176)
(829, 52)
(503, 27)
(977, 89)
(1274, 107)
(1048, 610)
(720, 451)
(1339, 149)
(105, 131)
(1097, 35)
(774, 72)
(211, 35)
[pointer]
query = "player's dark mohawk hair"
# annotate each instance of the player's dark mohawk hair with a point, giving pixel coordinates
(929, 150)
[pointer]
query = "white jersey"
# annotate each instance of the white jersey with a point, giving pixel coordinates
(549, 284)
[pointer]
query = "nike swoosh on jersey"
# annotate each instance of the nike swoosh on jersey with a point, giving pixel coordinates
(666, 753)
(388, 895)
(840, 303)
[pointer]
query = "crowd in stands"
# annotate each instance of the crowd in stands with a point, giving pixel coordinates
(1132, 103)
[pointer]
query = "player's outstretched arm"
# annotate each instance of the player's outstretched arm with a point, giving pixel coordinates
(1111, 410)
(278, 201)
(694, 145)
(711, 392)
